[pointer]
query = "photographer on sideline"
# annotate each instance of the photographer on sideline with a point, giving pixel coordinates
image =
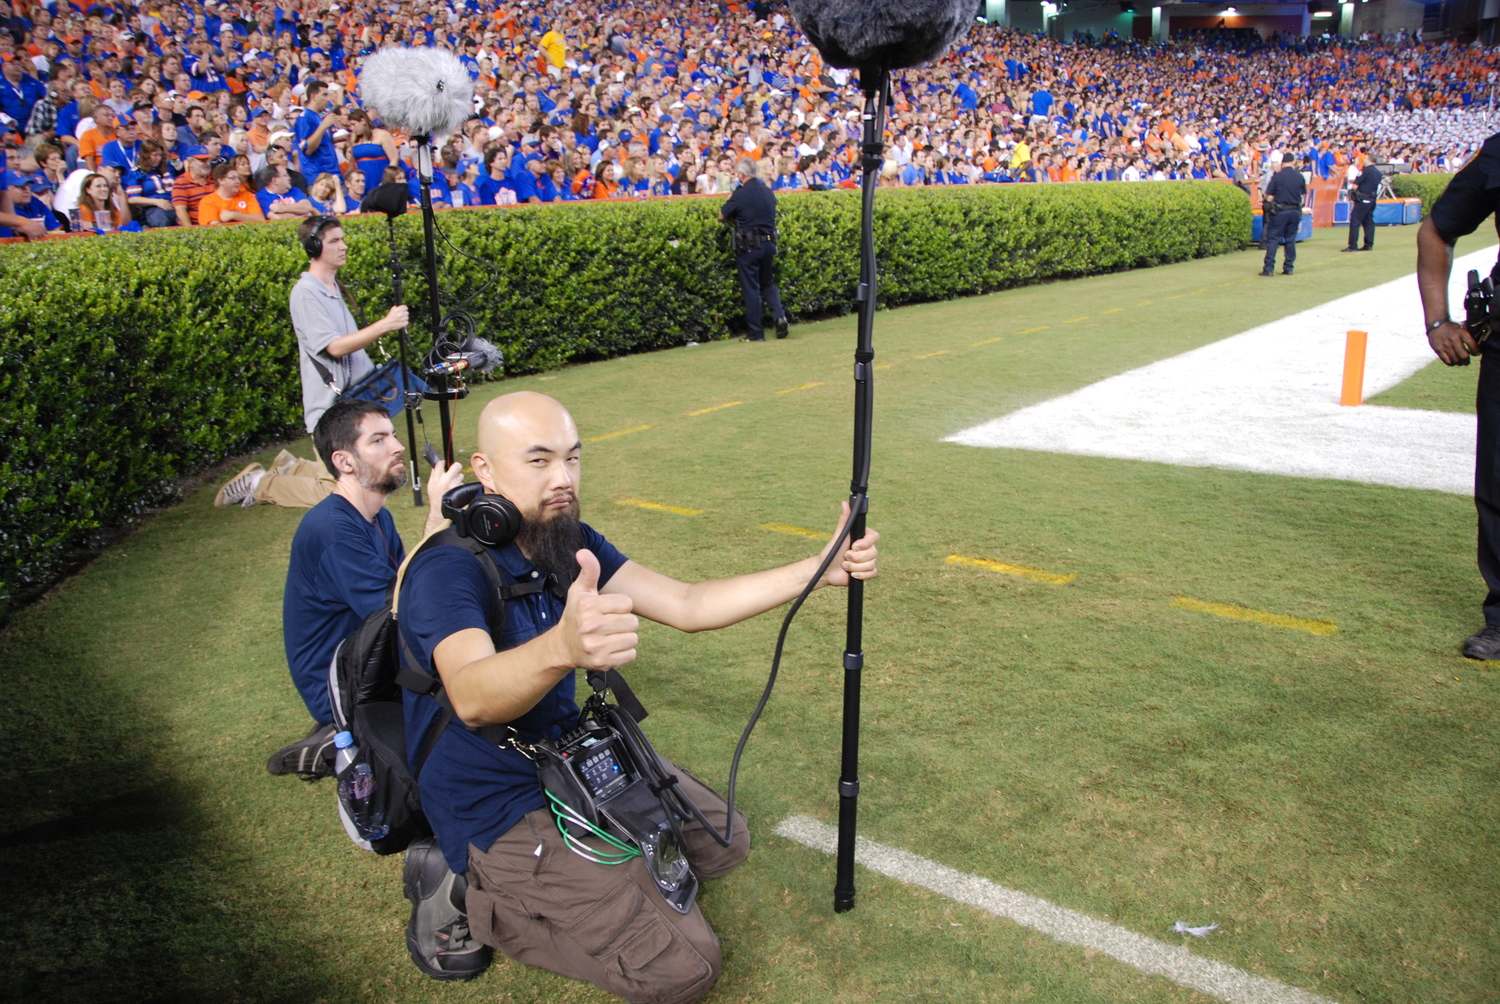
(328, 337)
(528, 894)
(1470, 198)
(344, 555)
(752, 210)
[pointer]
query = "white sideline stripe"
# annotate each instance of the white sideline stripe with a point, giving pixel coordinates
(1266, 400)
(1068, 926)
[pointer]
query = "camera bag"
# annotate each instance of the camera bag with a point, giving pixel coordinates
(369, 670)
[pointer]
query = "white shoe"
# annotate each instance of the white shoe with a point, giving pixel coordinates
(240, 487)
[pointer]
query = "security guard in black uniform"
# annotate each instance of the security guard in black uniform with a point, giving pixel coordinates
(1362, 194)
(1283, 215)
(752, 210)
(1471, 197)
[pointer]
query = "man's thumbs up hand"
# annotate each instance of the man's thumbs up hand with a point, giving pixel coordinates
(598, 630)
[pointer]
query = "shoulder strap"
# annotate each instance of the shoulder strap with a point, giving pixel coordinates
(324, 373)
(412, 678)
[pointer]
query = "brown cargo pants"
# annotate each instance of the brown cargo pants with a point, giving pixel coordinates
(295, 483)
(541, 904)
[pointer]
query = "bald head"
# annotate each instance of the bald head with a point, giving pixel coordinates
(529, 452)
(524, 415)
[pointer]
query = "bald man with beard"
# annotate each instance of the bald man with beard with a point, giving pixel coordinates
(527, 894)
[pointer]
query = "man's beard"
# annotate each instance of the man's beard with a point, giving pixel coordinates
(551, 539)
(386, 484)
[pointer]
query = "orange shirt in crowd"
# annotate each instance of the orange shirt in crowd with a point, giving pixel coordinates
(213, 203)
(90, 143)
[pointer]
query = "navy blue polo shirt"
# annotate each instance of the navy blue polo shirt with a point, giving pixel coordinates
(472, 790)
(341, 566)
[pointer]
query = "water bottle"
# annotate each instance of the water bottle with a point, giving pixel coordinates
(357, 789)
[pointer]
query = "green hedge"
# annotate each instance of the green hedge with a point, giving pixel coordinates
(128, 361)
(1426, 187)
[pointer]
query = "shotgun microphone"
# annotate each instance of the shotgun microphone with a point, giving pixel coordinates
(871, 35)
(422, 92)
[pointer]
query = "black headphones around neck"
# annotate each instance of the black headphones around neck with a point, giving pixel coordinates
(313, 243)
(493, 520)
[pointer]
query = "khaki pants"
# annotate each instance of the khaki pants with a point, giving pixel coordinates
(295, 483)
(541, 904)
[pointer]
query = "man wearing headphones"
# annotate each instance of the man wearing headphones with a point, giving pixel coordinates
(327, 337)
(574, 604)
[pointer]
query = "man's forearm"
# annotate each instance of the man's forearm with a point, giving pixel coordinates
(1434, 267)
(345, 344)
(184, 219)
(500, 686)
(716, 603)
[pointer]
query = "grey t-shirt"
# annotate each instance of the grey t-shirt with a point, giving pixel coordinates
(319, 315)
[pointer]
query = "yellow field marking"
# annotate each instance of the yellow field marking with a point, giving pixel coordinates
(1075, 320)
(660, 507)
(885, 366)
(617, 433)
(1145, 303)
(546, 378)
(987, 341)
(939, 352)
(1035, 574)
(1112, 310)
(1223, 284)
(806, 386)
(1177, 297)
(795, 531)
(1039, 327)
(1203, 290)
(1258, 616)
(717, 407)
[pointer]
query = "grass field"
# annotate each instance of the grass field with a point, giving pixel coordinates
(1329, 799)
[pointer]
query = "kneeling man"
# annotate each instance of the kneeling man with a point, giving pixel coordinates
(528, 894)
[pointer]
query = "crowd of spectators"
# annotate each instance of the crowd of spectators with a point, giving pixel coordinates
(200, 112)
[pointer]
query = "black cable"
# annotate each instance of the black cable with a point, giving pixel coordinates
(734, 767)
(458, 315)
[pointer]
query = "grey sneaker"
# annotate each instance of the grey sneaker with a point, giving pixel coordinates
(240, 487)
(309, 758)
(1484, 646)
(437, 936)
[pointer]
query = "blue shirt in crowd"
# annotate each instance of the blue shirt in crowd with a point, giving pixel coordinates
(324, 158)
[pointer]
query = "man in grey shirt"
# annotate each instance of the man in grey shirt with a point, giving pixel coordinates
(330, 347)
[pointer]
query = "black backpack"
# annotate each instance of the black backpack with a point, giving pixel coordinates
(370, 669)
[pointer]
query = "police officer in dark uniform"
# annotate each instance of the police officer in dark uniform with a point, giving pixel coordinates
(1283, 215)
(1471, 197)
(1362, 194)
(752, 210)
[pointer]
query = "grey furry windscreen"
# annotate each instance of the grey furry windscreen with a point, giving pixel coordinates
(419, 91)
(890, 33)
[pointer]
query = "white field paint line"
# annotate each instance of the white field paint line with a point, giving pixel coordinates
(1266, 400)
(1150, 956)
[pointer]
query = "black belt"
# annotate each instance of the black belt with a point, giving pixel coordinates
(752, 240)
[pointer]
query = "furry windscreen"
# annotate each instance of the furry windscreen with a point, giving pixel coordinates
(423, 92)
(889, 33)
